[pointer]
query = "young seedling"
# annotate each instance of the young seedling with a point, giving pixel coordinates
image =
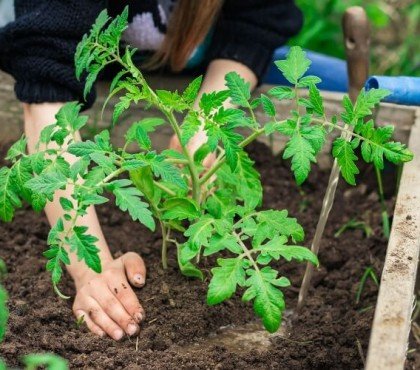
(386, 228)
(354, 224)
(217, 209)
(4, 312)
(369, 273)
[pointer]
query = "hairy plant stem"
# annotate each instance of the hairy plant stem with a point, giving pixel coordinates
(191, 165)
(164, 245)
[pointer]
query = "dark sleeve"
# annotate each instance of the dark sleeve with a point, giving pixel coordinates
(38, 48)
(248, 31)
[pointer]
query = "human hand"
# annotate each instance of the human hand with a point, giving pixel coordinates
(107, 302)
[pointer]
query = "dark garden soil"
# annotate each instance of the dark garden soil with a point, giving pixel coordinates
(332, 332)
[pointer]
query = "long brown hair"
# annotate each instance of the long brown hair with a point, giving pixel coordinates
(188, 26)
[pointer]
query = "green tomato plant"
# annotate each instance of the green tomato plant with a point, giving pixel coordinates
(216, 209)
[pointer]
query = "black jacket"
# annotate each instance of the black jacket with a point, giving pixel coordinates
(37, 49)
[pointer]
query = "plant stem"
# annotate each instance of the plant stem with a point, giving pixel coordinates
(191, 165)
(385, 216)
(164, 188)
(164, 246)
(176, 161)
(222, 159)
(247, 252)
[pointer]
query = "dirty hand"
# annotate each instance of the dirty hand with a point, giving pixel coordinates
(107, 302)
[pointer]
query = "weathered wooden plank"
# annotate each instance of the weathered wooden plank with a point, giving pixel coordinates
(391, 324)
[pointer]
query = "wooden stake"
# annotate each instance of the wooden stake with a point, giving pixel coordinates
(356, 31)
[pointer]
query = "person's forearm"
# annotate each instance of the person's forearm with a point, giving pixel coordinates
(214, 79)
(36, 117)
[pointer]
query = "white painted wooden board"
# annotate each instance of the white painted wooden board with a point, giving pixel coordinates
(392, 321)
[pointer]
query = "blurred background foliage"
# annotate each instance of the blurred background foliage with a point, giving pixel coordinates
(395, 46)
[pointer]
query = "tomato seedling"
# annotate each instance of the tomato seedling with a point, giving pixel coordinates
(216, 209)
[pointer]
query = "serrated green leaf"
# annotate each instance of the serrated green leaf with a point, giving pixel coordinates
(235, 117)
(172, 100)
(21, 174)
(316, 100)
(68, 117)
(226, 277)
(302, 154)
(78, 168)
(83, 148)
(248, 186)
(56, 256)
(268, 106)
(129, 199)
(66, 204)
(38, 201)
(213, 100)
(277, 248)
(167, 171)
(120, 108)
(84, 246)
(282, 92)
(316, 135)
(367, 100)
(180, 209)
(9, 199)
(190, 127)
(91, 78)
(87, 199)
(343, 151)
(200, 232)
(47, 183)
(307, 81)
(295, 65)
(239, 89)
(191, 92)
(17, 149)
(230, 140)
(279, 223)
(46, 133)
(218, 243)
(268, 300)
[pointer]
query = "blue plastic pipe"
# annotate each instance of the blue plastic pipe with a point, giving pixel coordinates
(404, 90)
(332, 71)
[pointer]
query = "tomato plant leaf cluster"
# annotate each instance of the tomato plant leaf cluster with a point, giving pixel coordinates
(216, 209)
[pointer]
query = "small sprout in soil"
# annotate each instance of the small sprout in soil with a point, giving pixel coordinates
(354, 224)
(80, 321)
(4, 312)
(3, 269)
(369, 273)
(217, 210)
